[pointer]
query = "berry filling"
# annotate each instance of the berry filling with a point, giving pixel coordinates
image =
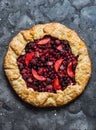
(48, 65)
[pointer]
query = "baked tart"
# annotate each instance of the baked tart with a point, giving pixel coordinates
(47, 65)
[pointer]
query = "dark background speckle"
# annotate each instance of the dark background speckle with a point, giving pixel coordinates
(79, 15)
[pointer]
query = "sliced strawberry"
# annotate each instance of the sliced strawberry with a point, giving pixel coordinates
(44, 41)
(49, 63)
(60, 48)
(29, 56)
(37, 54)
(57, 64)
(38, 77)
(57, 84)
(70, 71)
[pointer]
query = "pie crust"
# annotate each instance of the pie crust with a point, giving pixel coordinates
(46, 99)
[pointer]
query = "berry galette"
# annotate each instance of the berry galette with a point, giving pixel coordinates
(47, 65)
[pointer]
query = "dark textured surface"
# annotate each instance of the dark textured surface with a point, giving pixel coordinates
(79, 15)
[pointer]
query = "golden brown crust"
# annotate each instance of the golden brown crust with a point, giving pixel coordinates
(45, 99)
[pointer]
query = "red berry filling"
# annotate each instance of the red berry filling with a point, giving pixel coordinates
(48, 65)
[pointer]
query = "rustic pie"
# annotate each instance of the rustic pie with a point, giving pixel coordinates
(47, 65)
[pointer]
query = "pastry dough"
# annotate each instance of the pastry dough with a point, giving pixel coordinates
(46, 99)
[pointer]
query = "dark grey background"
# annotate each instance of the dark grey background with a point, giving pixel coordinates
(79, 15)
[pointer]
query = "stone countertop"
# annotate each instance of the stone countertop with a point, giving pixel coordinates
(79, 15)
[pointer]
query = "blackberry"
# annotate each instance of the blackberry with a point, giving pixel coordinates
(50, 69)
(67, 47)
(30, 65)
(62, 42)
(46, 58)
(21, 68)
(63, 84)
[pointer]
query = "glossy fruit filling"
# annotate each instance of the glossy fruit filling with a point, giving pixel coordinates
(48, 65)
